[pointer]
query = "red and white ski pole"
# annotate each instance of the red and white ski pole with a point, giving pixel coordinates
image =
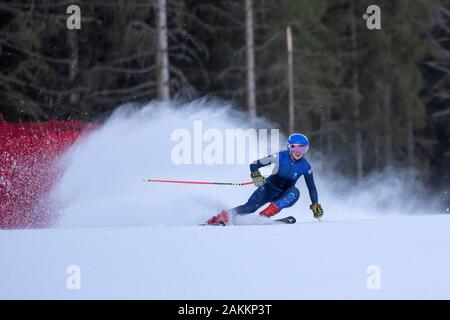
(201, 182)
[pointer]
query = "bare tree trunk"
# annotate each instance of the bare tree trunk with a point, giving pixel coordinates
(250, 51)
(388, 158)
(376, 149)
(356, 104)
(330, 142)
(410, 140)
(327, 135)
(323, 132)
(162, 57)
(72, 39)
(290, 81)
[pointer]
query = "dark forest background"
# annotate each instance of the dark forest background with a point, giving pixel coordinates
(370, 98)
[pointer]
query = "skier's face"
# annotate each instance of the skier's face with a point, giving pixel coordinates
(298, 150)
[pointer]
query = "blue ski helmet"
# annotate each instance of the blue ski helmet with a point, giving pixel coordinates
(299, 139)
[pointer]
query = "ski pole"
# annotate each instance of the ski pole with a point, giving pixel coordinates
(200, 182)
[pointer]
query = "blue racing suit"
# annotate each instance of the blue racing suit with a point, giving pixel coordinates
(280, 186)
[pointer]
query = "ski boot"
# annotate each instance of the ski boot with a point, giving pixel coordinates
(222, 219)
(270, 211)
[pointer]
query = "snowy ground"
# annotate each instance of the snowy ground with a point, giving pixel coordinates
(324, 260)
(132, 239)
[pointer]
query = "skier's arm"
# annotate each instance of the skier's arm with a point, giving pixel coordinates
(315, 206)
(254, 166)
(309, 179)
(258, 179)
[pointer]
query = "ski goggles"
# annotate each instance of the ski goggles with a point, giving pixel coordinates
(299, 148)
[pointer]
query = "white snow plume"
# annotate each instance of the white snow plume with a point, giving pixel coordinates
(390, 192)
(102, 184)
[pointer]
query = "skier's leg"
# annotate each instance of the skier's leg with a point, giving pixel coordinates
(286, 200)
(261, 196)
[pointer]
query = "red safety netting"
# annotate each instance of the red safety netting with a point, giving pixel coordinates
(27, 169)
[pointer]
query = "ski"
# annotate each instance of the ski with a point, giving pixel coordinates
(214, 224)
(288, 220)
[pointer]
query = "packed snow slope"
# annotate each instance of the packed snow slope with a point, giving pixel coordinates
(309, 260)
(131, 239)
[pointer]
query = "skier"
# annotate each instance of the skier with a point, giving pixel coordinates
(279, 188)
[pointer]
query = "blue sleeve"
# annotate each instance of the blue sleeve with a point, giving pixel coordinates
(261, 163)
(309, 179)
